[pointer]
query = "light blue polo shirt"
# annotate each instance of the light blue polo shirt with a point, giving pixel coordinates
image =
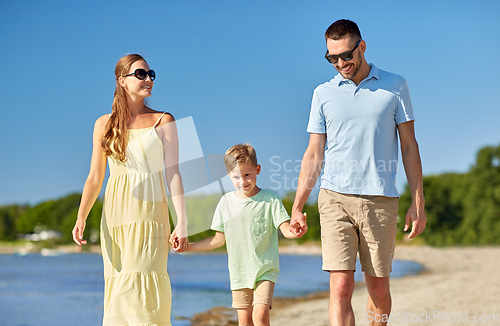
(360, 122)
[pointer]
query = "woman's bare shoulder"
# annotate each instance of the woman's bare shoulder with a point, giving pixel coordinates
(166, 118)
(100, 123)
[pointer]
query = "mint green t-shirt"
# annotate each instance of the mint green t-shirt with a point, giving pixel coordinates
(250, 226)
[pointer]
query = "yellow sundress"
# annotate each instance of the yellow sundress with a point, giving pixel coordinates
(134, 235)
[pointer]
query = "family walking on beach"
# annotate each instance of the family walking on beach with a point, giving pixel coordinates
(354, 123)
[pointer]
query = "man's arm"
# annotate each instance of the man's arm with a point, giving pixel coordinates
(310, 169)
(413, 170)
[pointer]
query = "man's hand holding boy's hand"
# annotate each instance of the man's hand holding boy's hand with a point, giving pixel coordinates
(298, 223)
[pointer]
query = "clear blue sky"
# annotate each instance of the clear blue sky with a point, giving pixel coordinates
(243, 70)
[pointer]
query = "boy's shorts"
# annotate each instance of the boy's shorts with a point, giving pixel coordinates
(246, 298)
(352, 223)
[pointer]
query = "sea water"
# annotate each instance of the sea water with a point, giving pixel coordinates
(68, 289)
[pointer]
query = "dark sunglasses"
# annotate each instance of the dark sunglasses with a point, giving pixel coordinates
(346, 56)
(142, 74)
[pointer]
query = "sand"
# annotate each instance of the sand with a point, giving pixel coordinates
(460, 285)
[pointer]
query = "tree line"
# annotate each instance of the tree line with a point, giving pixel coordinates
(461, 208)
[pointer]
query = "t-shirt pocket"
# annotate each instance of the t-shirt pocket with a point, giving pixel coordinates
(260, 228)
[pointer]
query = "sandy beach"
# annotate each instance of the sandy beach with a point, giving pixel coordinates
(459, 285)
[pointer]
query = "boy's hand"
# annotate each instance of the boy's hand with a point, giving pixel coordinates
(174, 241)
(178, 239)
(298, 224)
(182, 244)
(179, 244)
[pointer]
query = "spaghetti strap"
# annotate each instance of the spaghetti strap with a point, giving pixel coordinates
(159, 119)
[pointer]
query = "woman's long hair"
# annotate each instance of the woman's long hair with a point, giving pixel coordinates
(114, 141)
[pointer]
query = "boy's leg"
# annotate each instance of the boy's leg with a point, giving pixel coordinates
(245, 317)
(260, 315)
(262, 302)
(242, 302)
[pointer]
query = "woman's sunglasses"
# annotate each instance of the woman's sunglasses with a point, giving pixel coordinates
(142, 74)
(346, 56)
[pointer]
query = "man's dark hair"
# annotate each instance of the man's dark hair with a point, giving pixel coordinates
(341, 28)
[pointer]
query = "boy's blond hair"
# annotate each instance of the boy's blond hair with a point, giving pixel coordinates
(238, 154)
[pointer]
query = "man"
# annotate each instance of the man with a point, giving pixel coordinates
(354, 122)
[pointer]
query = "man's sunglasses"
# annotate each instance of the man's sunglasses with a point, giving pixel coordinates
(142, 74)
(346, 56)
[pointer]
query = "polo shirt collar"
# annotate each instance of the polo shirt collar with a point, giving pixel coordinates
(374, 73)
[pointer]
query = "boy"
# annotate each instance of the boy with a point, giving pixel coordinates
(247, 219)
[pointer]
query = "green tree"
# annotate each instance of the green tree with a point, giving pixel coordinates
(482, 201)
(59, 215)
(39, 215)
(200, 211)
(462, 209)
(8, 216)
(443, 206)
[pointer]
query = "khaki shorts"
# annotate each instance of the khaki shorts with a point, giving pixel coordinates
(246, 298)
(352, 223)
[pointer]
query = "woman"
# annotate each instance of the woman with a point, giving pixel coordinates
(139, 143)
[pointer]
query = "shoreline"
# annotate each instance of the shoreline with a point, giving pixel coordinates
(22, 248)
(12, 248)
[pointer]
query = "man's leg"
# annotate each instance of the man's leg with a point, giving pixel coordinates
(339, 242)
(379, 299)
(377, 243)
(340, 310)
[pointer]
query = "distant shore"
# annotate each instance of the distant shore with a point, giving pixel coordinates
(29, 247)
(20, 247)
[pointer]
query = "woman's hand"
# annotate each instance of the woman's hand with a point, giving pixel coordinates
(179, 240)
(78, 232)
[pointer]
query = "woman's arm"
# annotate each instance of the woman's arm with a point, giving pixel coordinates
(168, 132)
(93, 184)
